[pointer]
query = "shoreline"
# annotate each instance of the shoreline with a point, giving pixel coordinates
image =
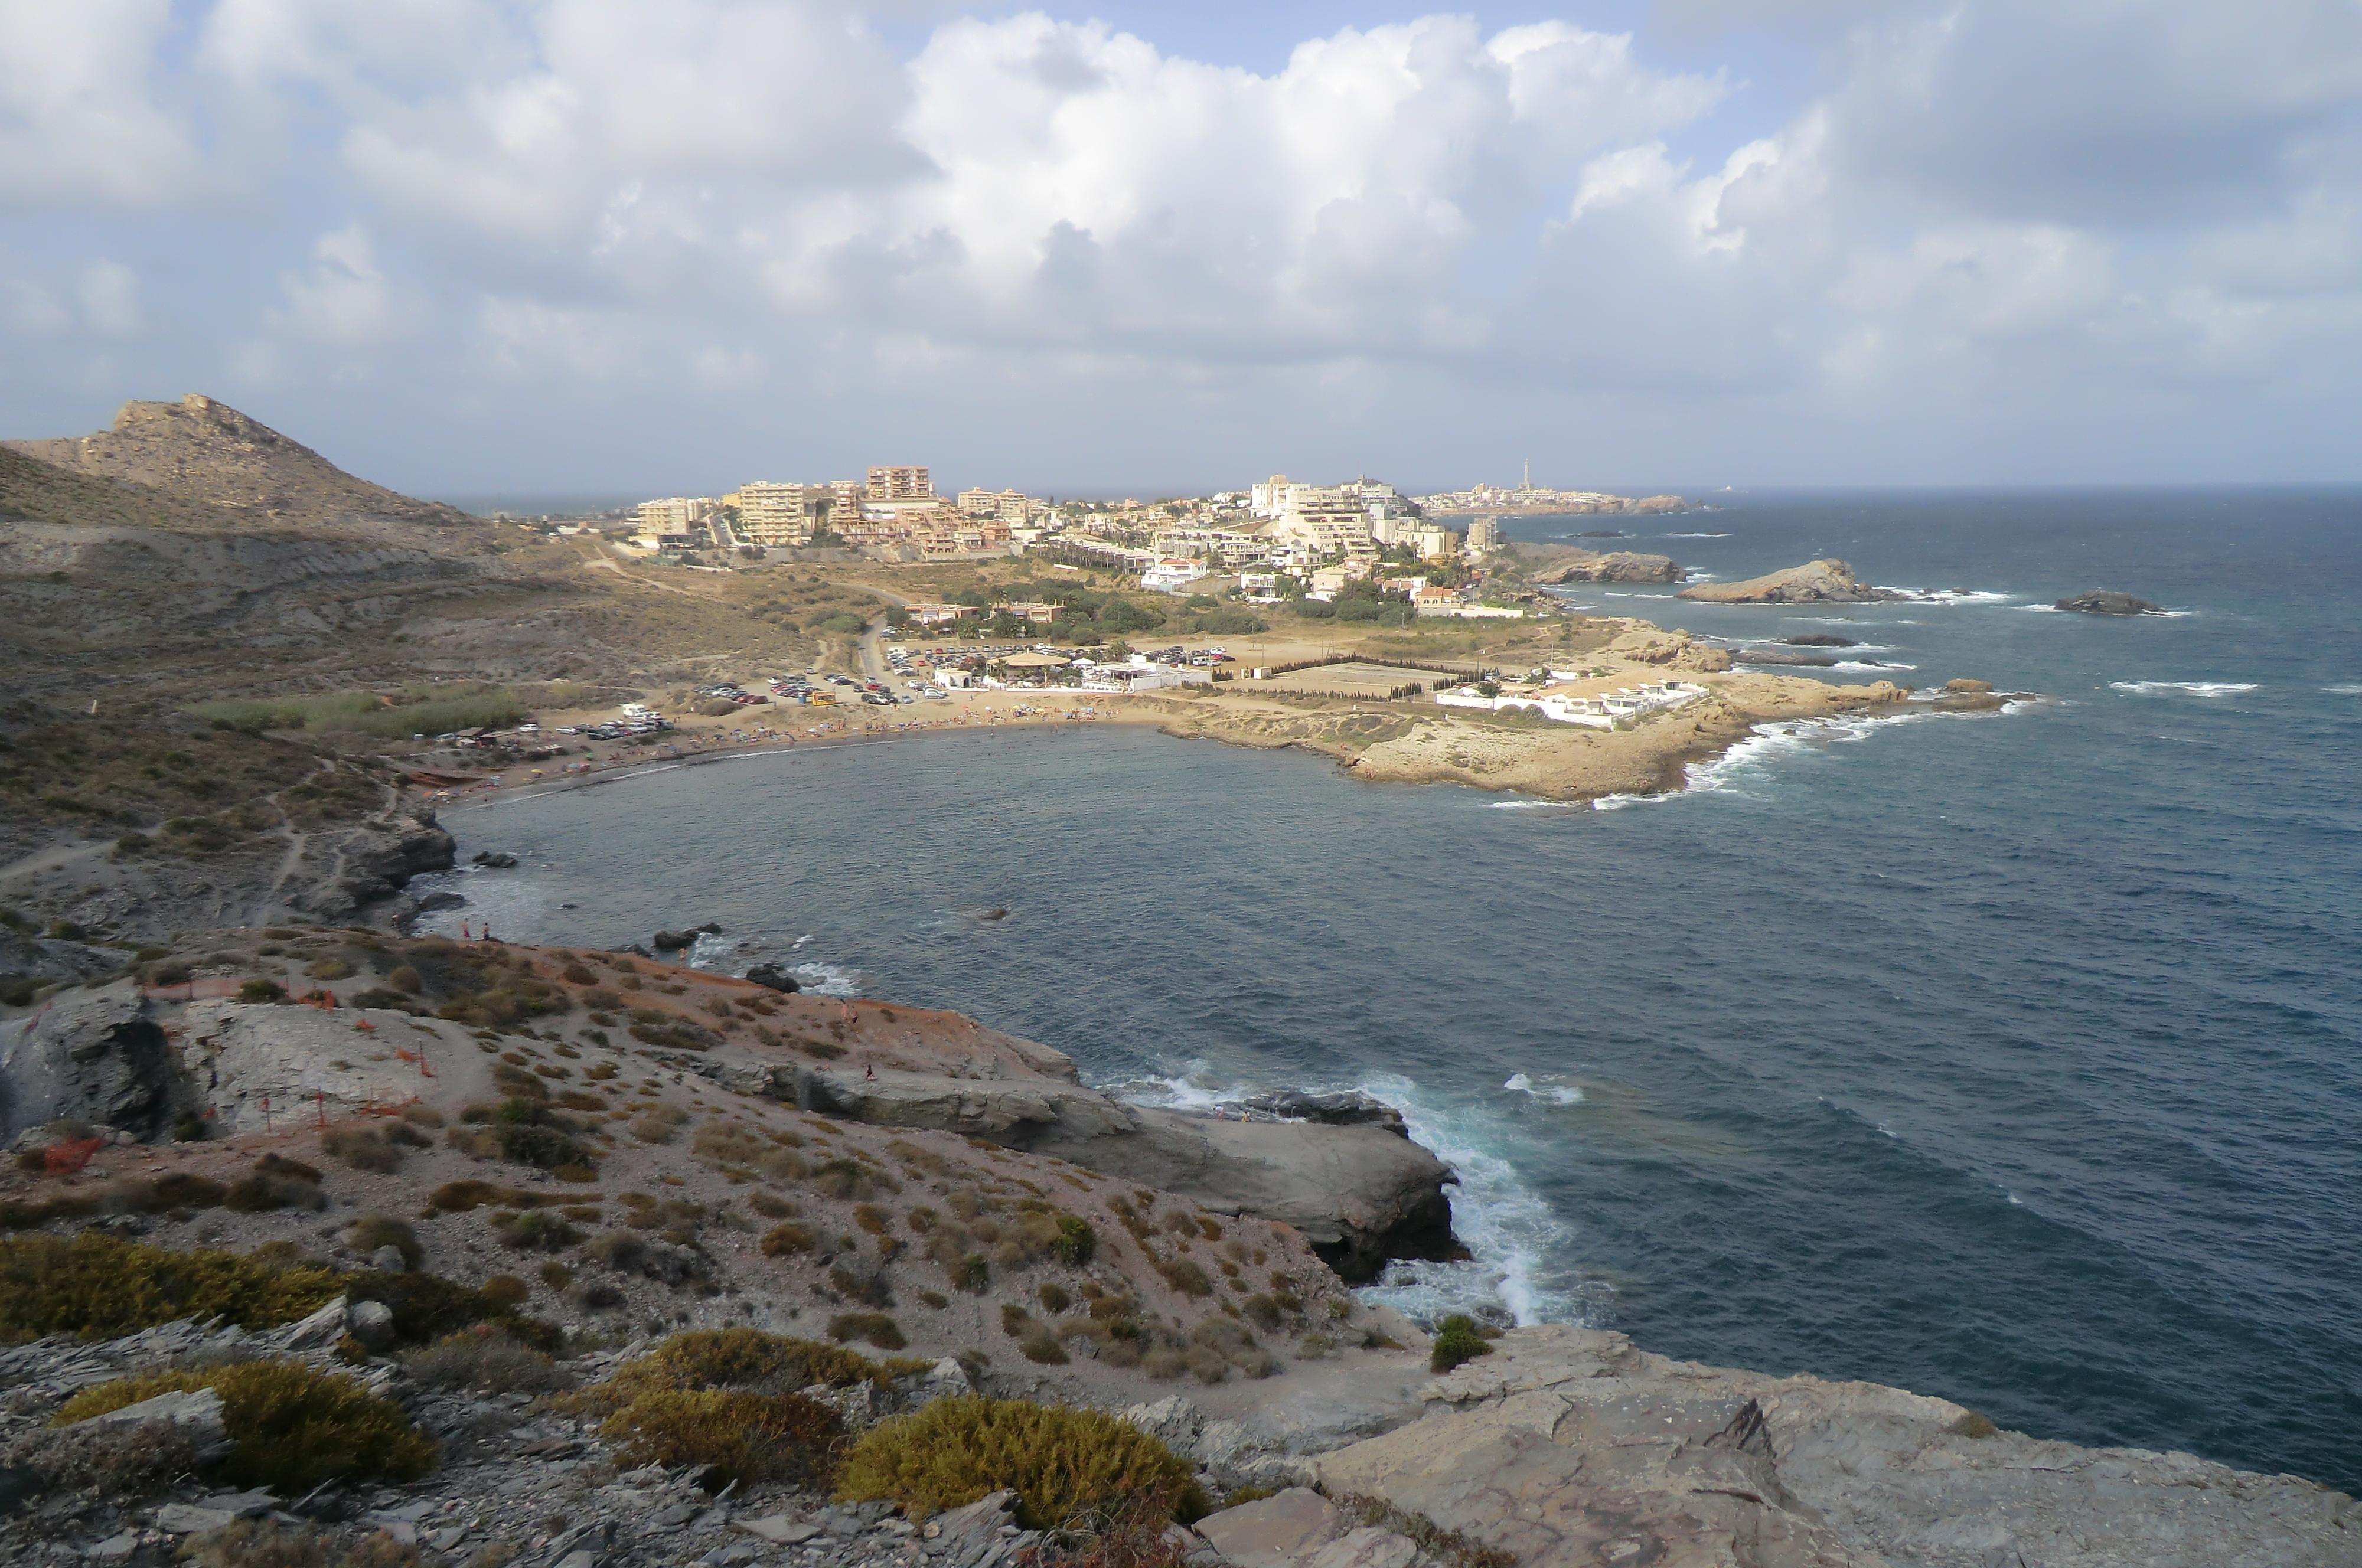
(1391, 742)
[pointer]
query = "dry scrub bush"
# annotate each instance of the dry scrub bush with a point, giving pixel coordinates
(100, 1287)
(788, 1241)
(370, 1232)
(275, 1183)
(658, 1124)
(118, 1462)
(487, 1360)
(876, 1328)
(745, 1438)
(293, 1428)
(1066, 1466)
(506, 1291)
(264, 1543)
(744, 1360)
(368, 1148)
(770, 1205)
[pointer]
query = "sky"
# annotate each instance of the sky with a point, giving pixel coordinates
(471, 247)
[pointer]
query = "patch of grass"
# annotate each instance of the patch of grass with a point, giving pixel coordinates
(1185, 1277)
(294, 1428)
(1067, 1467)
(788, 1241)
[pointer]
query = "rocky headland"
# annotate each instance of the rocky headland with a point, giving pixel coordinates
(1815, 583)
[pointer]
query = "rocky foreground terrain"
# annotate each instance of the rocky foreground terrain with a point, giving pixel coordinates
(585, 1259)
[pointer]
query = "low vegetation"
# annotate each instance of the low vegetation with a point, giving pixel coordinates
(1457, 1340)
(1070, 1469)
(99, 1286)
(743, 1438)
(294, 1428)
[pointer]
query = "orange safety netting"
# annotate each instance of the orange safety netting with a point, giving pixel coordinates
(69, 1157)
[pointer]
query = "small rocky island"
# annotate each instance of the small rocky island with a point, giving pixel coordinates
(1815, 583)
(2109, 601)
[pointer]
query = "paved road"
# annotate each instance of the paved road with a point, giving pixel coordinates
(873, 662)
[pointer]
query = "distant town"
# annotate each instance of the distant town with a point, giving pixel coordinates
(1270, 542)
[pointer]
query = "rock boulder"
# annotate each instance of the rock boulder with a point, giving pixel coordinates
(2108, 601)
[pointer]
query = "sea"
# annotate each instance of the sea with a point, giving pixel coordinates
(2012, 1057)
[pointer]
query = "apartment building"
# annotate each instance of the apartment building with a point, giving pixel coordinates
(902, 483)
(1003, 505)
(781, 515)
(674, 514)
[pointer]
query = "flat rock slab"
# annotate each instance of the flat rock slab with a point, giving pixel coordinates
(776, 1529)
(1277, 1531)
(1569, 1446)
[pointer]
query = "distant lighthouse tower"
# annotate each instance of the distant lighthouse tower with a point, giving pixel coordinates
(1528, 485)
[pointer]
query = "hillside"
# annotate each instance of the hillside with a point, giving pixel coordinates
(43, 491)
(198, 449)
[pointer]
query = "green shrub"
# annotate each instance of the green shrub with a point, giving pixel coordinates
(1067, 1467)
(293, 1427)
(1457, 1340)
(745, 1438)
(1076, 1241)
(261, 991)
(100, 1287)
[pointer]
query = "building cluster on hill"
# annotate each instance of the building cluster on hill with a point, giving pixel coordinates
(1282, 537)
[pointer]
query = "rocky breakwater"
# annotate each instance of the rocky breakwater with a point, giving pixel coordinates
(1359, 1190)
(1815, 583)
(1567, 1446)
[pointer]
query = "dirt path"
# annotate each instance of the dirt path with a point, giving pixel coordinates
(51, 860)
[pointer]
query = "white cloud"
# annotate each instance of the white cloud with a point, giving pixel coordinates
(84, 121)
(345, 301)
(2076, 200)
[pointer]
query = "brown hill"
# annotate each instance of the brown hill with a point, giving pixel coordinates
(207, 451)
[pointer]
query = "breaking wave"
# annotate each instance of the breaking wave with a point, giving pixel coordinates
(2187, 688)
(1549, 1090)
